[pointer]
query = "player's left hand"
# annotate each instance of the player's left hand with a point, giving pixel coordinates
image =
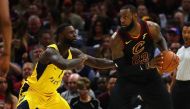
(83, 56)
(156, 62)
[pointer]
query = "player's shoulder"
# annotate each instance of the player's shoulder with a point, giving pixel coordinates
(14, 98)
(50, 51)
(75, 51)
(153, 27)
(47, 55)
(152, 24)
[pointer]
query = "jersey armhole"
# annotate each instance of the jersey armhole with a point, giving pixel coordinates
(148, 30)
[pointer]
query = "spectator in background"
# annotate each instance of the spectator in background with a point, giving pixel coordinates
(185, 7)
(34, 27)
(72, 92)
(179, 17)
(104, 51)
(46, 38)
(27, 69)
(86, 71)
(105, 97)
(100, 85)
(98, 32)
(29, 38)
(172, 35)
(22, 6)
(13, 75)
(36, 52)
(79, 8)
(7, 100)
(52, 21)
(33, 9)
(175, 46)
(68, 15)
(64, 85)
(142, 11)
(17, 80)
(84, 100)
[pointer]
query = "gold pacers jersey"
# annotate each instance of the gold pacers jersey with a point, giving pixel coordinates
(49, 79)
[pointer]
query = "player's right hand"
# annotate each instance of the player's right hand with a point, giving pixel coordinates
(83, 56)
(156, 62)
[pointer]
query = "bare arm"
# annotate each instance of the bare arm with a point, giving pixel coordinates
(157, 36)
(51, 56)
(99, 63)
(117, 46)
(15, 101)
(6, 30)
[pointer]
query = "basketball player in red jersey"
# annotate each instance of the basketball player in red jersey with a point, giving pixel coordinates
(133, 51)
(6, 31)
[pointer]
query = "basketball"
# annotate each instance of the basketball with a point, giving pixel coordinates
(170, 62)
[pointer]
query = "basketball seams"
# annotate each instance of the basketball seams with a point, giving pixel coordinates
(173, 62)
(169, 63)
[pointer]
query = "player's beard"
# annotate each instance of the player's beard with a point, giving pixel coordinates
(69, 42)
(129, 27)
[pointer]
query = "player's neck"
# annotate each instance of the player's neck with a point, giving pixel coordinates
(63, 48)
(135, 31)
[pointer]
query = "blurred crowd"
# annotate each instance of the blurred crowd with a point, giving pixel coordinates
(34, 27)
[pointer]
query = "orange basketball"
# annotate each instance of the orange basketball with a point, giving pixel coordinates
(170, 62)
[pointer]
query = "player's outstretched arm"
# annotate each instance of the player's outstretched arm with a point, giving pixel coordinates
(51, 56)
(99, 63)
(6, 31)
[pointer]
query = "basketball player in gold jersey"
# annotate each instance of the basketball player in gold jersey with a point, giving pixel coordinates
(6, 32)
(39, 90)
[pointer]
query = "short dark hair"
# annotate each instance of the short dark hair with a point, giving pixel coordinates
(83, 82)
(60, 29)
(132, 8)
(44, 31)
(114, 75)
(186, 24)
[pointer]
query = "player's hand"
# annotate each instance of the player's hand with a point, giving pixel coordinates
(117, 47)
(83, 56)
(156, 62)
